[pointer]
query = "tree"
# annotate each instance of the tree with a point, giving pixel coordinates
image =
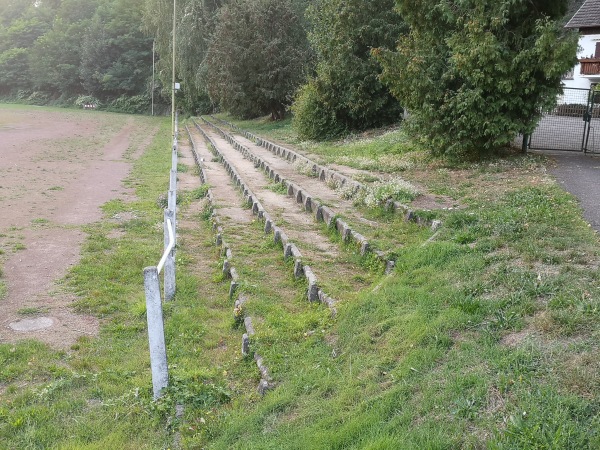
(14, 70)
(257, 57)
(195, 28)
(475, 73)
(55, 59)
(116, 57)
(346, 93)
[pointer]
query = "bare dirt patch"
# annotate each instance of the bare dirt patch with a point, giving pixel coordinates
(56, 170)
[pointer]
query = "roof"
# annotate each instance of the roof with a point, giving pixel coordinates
(588, 15)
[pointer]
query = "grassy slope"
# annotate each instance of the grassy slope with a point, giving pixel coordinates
(484, 337)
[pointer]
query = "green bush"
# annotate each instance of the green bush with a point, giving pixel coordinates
(346, 93)
(137, 104)
(312, 119)
(474, 74)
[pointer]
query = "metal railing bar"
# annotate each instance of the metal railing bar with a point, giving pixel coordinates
(162, 261)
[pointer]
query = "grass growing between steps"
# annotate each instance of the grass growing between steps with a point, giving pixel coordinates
(486, 336)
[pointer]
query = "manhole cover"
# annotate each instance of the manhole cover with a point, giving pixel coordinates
(32, 324)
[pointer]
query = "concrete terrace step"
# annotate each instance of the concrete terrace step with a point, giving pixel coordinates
(282, 173)
(290, 249)
(220, 195)
(326, 174)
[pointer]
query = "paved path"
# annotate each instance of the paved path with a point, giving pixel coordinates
(580, 175)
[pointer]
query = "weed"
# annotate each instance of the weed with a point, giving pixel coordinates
(305, 168)
(32, 311)
(378, 193)
(200, 192)
(278, 188)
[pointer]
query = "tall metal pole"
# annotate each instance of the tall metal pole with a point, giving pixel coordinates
(153, 64)
(173, 77)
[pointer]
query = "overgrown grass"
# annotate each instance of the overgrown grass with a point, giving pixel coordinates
(485, 335)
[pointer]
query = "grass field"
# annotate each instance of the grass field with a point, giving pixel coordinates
(485, 335)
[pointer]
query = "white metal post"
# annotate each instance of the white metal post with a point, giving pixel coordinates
(156, 332)
(169, 269)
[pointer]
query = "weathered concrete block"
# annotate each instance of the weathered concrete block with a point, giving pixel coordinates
(343, 228)
(313, 289)
(323, 174)
(249, 327)
(243, 298)
(263, 387)
(298, 272)
(290, 249)
(365, 247)
(245, 345)
(435, 225)
(327, 300)
(264, 371)
(232, 288)
(226, 268)
(327, 214)
(308, 204)
(318, 209)
(268, 226)
(233, 273)
(276, 234)
(219, 239)
(284, 238)
(390, 265)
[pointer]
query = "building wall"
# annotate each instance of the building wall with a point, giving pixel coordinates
(587, 49)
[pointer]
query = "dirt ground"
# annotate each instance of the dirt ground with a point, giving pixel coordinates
(56, 169)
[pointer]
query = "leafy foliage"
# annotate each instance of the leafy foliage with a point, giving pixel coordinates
(257, 57)
(474, 74)
(346, 93)
(63, 49)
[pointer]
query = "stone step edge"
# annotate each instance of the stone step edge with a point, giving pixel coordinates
(314, 293)
(322, 213)
(325, 174)
(229, 271)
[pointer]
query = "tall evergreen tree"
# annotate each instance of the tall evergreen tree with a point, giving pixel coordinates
(475, 73)
(346, 93)
(257, 57)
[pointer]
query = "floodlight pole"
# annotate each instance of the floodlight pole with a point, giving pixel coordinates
(173, 77)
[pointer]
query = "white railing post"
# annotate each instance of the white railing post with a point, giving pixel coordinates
(174, 157)
(173, 180)
(169, 269)
(156, 332)
(172, 206)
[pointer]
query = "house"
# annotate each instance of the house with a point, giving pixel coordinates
(587, 72)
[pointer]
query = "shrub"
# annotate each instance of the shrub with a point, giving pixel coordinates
(312, 119)
(137, 104)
